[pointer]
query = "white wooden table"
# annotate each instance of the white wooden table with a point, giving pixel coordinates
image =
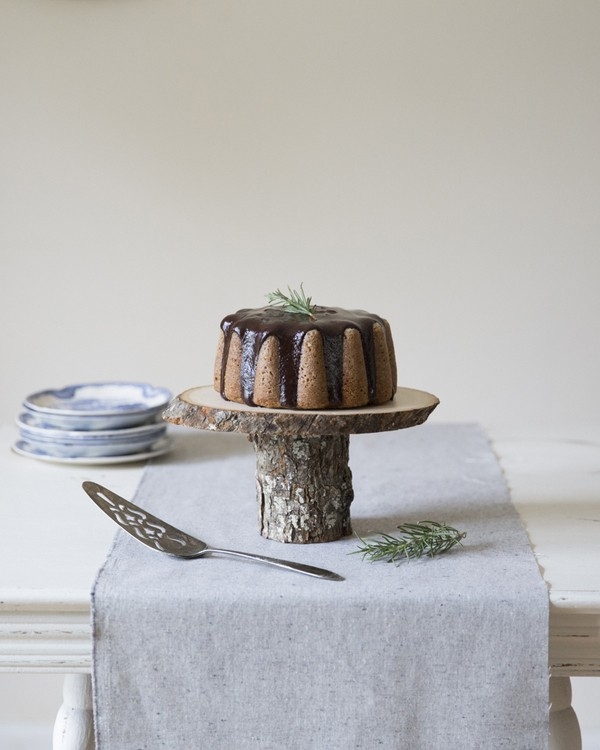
(54, 539)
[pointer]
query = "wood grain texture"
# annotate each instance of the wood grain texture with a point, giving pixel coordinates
(204, 409)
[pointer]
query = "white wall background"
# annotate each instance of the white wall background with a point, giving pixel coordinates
(165, 163)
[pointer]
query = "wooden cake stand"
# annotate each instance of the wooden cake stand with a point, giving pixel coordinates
(303, 480)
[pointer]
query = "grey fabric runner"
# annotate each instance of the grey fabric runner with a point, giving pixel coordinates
(227, 654)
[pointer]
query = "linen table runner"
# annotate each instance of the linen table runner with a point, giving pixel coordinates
(227, 654)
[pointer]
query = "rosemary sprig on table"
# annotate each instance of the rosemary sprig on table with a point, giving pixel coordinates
(415, 540)
(294, 302)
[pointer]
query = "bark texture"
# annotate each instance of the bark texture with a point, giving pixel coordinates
(304, 487)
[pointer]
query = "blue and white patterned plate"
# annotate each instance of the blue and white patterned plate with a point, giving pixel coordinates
(33, 427)
(98, 406)
(69, 448)
(158, 448)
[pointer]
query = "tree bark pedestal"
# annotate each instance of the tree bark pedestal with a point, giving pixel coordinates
(304, 487)
(303, 481)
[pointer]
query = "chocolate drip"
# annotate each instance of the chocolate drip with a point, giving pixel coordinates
(253, 326)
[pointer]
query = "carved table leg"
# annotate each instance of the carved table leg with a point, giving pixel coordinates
(304, 487)
(74, 725)
(564, 727)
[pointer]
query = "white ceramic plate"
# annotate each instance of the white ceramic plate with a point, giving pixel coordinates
(159, 448)
(98, 406)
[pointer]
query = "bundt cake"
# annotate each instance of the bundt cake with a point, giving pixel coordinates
(328, 359)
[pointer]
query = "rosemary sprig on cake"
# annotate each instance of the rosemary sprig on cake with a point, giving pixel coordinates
(415, 540)
(294, 302)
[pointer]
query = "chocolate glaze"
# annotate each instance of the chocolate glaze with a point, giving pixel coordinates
(253, 326)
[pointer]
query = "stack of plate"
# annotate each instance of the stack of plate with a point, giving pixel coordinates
(94, 423)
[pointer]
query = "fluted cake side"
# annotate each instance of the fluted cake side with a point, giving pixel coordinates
(332, 359)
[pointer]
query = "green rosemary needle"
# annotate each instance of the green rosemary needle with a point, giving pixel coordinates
(294, 302)
(415, 540)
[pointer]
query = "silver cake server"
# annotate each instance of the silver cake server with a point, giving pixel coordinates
(159, 535)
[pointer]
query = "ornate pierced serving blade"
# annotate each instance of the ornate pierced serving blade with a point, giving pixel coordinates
(145, 527)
